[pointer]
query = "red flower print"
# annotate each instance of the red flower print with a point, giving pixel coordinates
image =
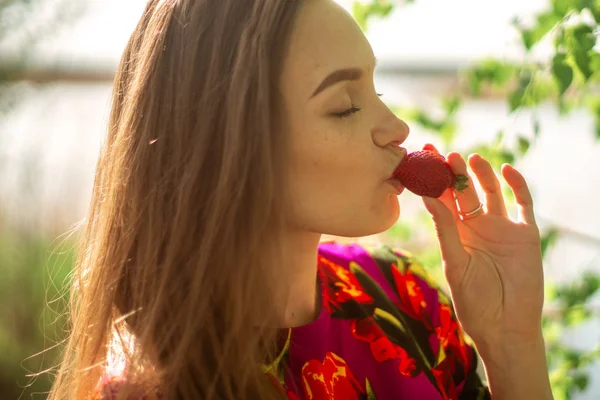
(341, 286)
(330, 380)
(411, 297)
(451, 339)
(291, 395)
(382, 348)
(445, 379)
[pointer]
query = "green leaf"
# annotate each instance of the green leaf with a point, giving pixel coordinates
(563, 74)
(582, 60)
(584, 36)
(597, 128)
(382, 9)
(560, 37)
(515, 99)
(595, 10)
(362, 12)
(565, 105)
(576, 316)
(489, 71)
(523, 145)
(594, 60)
(545, 22)
(561, 7)
(581, 381)
(536, 127)
(550, 293)
(548, 239)
(506, 156)
(573, 357)
(451, 104)
(528, 39)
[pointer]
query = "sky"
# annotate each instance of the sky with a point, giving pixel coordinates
(426, 31)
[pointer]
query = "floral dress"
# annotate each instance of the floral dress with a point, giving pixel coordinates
(386, 331)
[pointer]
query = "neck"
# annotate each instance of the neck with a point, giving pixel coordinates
(301, 250)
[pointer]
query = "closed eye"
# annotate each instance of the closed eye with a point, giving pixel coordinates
(348, 112)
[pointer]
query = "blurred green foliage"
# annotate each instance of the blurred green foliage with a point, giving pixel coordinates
(33, 268)
(33, 295)
(569, 79)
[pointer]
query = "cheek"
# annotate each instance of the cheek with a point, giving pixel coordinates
(336, 185)
(351, 205)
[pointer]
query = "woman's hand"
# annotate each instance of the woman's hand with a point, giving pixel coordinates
(493, 265)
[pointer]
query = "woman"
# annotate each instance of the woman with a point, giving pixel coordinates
(240, 133)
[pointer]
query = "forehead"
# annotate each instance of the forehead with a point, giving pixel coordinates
(325, 38)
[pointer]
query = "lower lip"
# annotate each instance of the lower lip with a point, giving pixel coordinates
(396, 185)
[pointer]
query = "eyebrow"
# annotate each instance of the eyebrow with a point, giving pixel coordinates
(346, 74)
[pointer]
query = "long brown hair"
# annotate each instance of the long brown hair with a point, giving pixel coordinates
(177, 264)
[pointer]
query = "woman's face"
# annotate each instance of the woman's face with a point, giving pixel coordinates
(344, 139)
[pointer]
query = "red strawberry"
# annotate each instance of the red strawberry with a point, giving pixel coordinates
(426, 173)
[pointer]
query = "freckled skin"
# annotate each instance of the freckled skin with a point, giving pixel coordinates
(338, 166)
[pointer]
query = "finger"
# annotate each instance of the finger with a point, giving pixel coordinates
(453, 252)
(494, 201)
(430, 147)
(523, 197)
(468, 199)
(448, 199)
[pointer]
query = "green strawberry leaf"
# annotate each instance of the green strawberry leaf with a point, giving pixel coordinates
(461, 182)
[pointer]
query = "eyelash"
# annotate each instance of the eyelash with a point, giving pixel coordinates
(348, 112)
(351, 110)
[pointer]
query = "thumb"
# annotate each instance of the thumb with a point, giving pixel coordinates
(453, 251)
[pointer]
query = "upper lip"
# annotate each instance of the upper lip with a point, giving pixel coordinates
(402, 152)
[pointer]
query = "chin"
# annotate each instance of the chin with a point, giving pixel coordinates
(373, 223)
(389, 218)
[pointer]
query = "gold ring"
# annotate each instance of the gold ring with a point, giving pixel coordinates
(471, 214)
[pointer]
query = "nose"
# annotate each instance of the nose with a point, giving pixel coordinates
(391, 131)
